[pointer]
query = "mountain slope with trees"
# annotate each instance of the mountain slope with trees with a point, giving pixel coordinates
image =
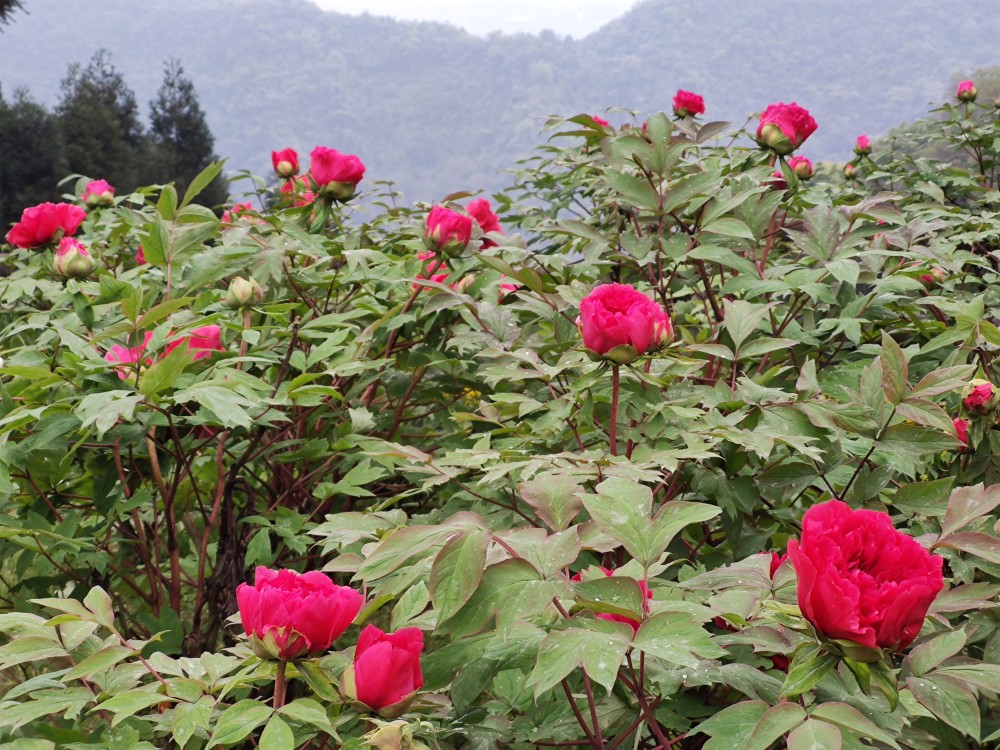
(439, 110)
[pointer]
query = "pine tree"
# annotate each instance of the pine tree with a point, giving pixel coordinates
(181, 142)
(7, 8)
(100, 123)
(31, 156)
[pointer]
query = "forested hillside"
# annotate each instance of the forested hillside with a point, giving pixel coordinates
(439, 110)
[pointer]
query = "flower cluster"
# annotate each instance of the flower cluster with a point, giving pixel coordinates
(289, 616)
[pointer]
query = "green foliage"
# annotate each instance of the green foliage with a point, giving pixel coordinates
(445, 446)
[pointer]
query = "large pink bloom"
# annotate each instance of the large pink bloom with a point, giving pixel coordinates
(617, 315)
(387, 666)
(291, 615)
(860, 579)
(785, 127)
(201, 341)
(45, 223)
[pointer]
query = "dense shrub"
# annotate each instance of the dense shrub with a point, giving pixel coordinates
(566, 526)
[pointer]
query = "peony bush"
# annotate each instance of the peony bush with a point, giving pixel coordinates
(669, 446)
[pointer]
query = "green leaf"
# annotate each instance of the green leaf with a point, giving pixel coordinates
(307, 711)
(98, 602)
(929, 654)
(103, 410)
(276, 735)
(189, 718)
(885, 679)
(732, 726)
(163, 373)
(98, 662)
(201, 181)
(636, 190)
(676, 637)
(966, 504)
(815, 735)
(238, 721)
(227, 405)
(457, 571)
(808, 668)
(894, 369)
(774, 723)
(126, 704)
(622, 510)
(554, 497)
(617, 595)
(562, 651)
(849, 718)
(948, 700)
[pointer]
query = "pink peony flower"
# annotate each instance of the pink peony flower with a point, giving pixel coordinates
(201, 342)
(600, 121)
(802, 167)
(688, 104)
(488, 221)
(966, 92)
(784, 127)
(45, 223)
(863, 145)
(288, 616)
(335, 173)
(962, 430)
(447, 231)
(620, 323)
(123, 357)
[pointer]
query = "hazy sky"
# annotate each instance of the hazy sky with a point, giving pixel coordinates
(574, 17)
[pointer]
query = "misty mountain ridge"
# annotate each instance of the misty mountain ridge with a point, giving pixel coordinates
(437, 109)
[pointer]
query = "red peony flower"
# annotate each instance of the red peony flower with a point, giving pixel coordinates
(863, 145)
(288, 616)
(140, 257)
(860, 579)
(620, 323)
(447, 231)
(45, 223)
(687, 104)
(335, 173)
(285, 162)
(98, 193)
(201, 341)
(488, 221)
(386, 670)
(784, 127)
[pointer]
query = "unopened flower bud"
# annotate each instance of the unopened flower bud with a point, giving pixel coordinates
(849, 170)
(802, 167)
(243, 293)
(72, 259)
(967, 92)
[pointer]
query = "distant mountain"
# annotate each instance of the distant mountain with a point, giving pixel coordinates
(438, 110)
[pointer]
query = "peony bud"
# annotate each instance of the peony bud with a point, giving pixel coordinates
(962, 431)
(447, 231)
(72, 259)
(285, 163)
(243, 293)
(850, 170)
(335, 174)
(979, 396)
(967, 92)
(802, 167)
(98, 193)
(863, 145)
